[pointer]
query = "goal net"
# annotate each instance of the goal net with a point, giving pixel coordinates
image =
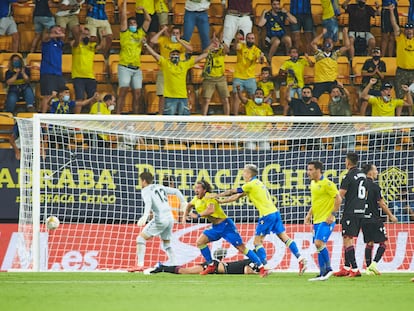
(84, 170)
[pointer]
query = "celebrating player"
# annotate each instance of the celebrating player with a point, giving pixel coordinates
(353, 189)
(155, 200)
(223, 227)
(245, 266)
(326, 201)
(269, 216)
(372, 225)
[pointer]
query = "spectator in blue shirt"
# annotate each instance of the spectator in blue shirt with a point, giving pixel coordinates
(51, 77)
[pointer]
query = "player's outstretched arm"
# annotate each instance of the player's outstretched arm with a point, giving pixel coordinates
(231, 198)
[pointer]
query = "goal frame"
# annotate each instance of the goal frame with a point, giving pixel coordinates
(38, 119)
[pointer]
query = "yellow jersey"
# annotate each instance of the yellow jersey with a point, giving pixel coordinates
(253, 109)
(202, 204)
(82, 60)
(175, 76)
(405, 52)
(326, 66)
(214, 66)
(323, 193)
(246, 61)
(260, 197)
(298, 68)
(267, 87)
(383, 109)
(327, 9)
(160, 6)
(131, 46)
(100, 108)
(147, 5)
(167, 46)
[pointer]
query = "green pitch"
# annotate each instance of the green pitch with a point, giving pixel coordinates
(279, 291)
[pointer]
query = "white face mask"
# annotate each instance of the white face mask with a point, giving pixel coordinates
(386, 98)
(258, 100)
(174, 39)
(111, 107)
(336, 99)
(66, 98)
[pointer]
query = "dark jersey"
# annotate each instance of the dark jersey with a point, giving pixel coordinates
(236, 267)
(372, 212)
(354, 184)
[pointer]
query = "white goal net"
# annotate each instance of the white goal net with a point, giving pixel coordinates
(84, 170)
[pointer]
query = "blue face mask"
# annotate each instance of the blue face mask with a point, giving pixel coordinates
(17, 64)
(66, 98)
(132, 28)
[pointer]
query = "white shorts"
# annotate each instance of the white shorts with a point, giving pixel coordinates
(161, 229)
(7, 26)
(232, 24)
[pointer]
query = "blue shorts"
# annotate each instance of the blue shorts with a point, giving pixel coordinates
(245, 84)
(322, 231)
(270, 223)
(226, 230)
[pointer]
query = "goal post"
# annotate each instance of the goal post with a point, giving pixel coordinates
(84, 170)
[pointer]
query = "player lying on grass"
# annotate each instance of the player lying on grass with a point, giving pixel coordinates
(245, 266)
(269, 216)
(222, 227)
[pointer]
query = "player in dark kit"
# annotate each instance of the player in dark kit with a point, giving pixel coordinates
(353, 189)
(373, 225)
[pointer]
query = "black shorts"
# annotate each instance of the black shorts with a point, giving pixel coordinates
(351, 225)
(374, 231)
(236, 267)
(49, 83)
(154, 25)
(386, 26)
(322, 87)
(82, 86)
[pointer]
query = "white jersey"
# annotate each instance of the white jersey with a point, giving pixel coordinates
(156, 200)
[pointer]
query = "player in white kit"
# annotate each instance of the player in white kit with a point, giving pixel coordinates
(155, 200)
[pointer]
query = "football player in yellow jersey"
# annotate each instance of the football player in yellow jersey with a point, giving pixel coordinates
(325, 203)
(222, 227)
(269, 216)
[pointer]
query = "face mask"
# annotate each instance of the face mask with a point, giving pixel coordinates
(111, 107)
(258, 100)
(306, 98)
(85, 40)
(336, 98)
(386, 99)
(294, 59)
(174, 39)
(376, 57)
(175, 59)
(361, 4)
(132, 28)
(17, 64)
(249, 44)
(66, 98)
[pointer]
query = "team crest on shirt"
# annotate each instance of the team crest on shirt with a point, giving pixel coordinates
(348, 222)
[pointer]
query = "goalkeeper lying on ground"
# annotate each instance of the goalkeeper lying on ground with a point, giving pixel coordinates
(245, 266)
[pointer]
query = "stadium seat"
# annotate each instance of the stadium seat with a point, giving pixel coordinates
(67, 65)
(6, 43)
(197, 73)
(323, 103)
(100, 68)
(230, 65)
(361, 143)
(6, 126)
(147, 147)
(149, 69)
(26, 36)
(23, 13)
(343, 70)
(357, 64)
(151, 99)
(3, 95)
(177, 146)
(216, 14)
(391, 64)
(178, 17)
(25, 115)
(113, 67)
(33, 60)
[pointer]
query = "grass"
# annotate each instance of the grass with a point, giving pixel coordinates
(279, 291)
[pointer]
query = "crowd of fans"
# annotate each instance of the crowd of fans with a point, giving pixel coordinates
(280, 29)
